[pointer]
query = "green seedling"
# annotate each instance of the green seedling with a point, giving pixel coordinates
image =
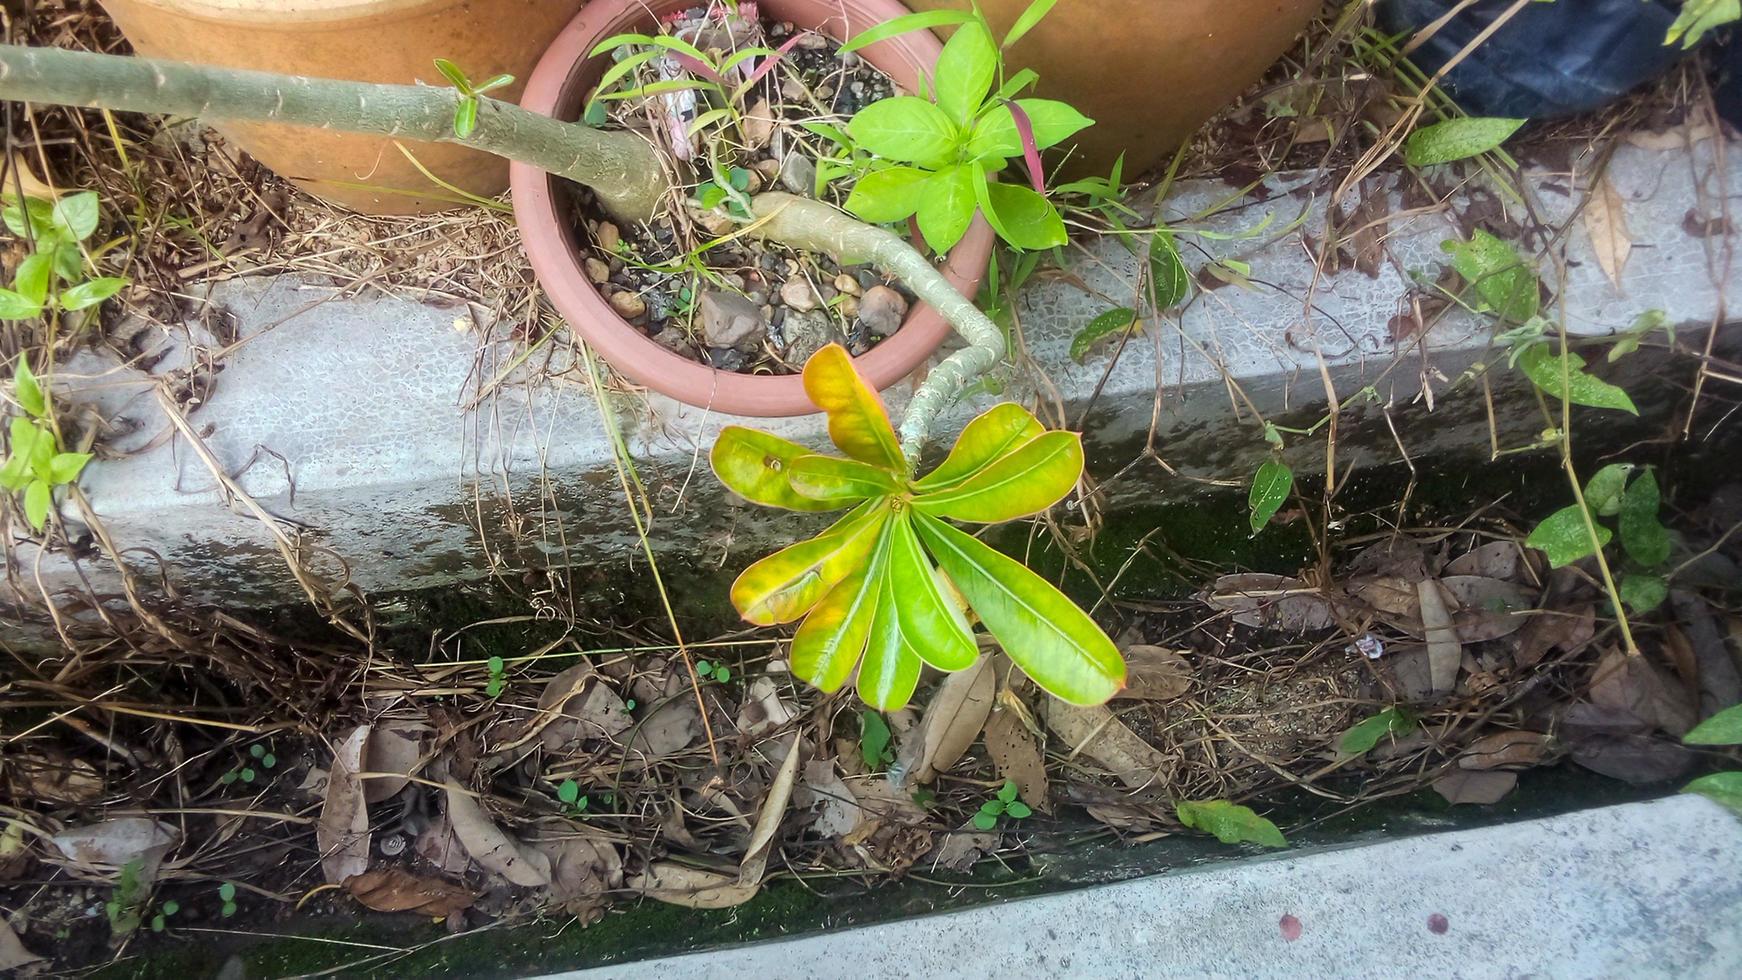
(227, 895)
(36, 466)
(709, 670)
(1004, 804)
(55, 275)
(466, 112)
(246, 772)
(568, 793)
(498, 681)
(126, 905)
(165, 912)
(874, 741)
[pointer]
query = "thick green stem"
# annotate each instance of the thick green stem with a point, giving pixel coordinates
(620, 167)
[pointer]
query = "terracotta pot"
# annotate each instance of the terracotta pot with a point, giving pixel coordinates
(558, 88)
(394, 41)
(1149, 72)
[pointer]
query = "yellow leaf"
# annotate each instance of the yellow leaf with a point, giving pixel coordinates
(789, 583)
(985, 440)
(1024, 482)
(858, 423)
(833, 638)
(758, 467)
(1606, 223)
(841, 481)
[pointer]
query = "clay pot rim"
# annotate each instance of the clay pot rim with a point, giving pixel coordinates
(307, 13)
(555, 257)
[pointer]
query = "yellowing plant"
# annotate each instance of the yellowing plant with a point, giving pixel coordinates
(867, 590)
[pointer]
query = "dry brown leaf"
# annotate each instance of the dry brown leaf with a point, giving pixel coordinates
(489, 846)
(113, 843)
(960, 849)
(953, 719)
(1606, 222)
(1154, 674)
(393, 750)
(1016, 757)
(13, 955)
(670, 729)
(838, 812)
(438, 845)
(1409, 664)
(1475, 787)
(1568, 631)
(677, 884)
(1487, 608)
(1096, 733)
(768, 819)
(758, 124)
(342, 832)
(1505, 750)
(1272, 602)
(1637, 686)
(764, 710)
(1395, 600)
(1638, 759)
(1122, 816)
(1717, 676)
(1444, 653)
(1497, 559)
(583, 870)
(398, 890)
(1674, 138)
(51, 778)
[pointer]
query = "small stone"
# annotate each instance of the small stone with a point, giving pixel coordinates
(673, 339)
(812, 41)
(609, 238)
(758, 124)
(792, 90)
(598, 271)
(731, 321)
(868, 279)
(716, 224)
(628, 305)
(757, 296)
(881, 311)
(809, 332)
(797, 294)
(725, 359)
(769, 169)
(847, 284)
(752, 182)
(798, 174)
(848, 307)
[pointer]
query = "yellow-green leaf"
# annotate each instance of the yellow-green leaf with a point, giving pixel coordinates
(789, 583)
(1572, 381)
(891, 668)
(833, 638)
(986, 440)
(1231, 823)
(858, 424)
(1027, 481)
(841, 481)
(758, 467)
(37, 498)
(931, 622)
(1041, 630)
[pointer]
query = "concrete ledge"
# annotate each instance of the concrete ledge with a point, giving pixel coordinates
(360, 422)
(1643, 890)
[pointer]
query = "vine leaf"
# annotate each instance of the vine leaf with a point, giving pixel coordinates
(1271, 486)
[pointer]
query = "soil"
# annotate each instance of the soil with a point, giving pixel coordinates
(739, 304)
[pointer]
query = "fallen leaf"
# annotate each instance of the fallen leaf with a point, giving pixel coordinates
(838, 812)
(438, 845)
(398, 890)
(113, 843)
(764, 710)
(1410, 665)
(669, 729)
(13, 955)
(1122, 816)
(758, 124)
(677, 884)
(1637, 759)
(1444, 652)
(583, 870)
(768, 819)
(1637, 686)
(1098, 734)
(1475, 786)
(51, 778)
(390, 750)
(1497, 559)
(342, 831)
(1272, 602)
(489, 846)
(1505, 750)
(1719, 673)
(1154, 673)
(1488, 608)
(1606, 222)
(1568, 631)
(1395, 600)
(1016, 757)
(953, 719)
(962, 848)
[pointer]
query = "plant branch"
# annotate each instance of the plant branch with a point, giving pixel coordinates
(620, 167)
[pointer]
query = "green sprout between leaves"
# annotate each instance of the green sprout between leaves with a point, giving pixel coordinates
(37, 466)
(227, 895)
(568, 793)
(498, 681)
(466, 112)
(245, 772)
(1004, 804)
(55, 275)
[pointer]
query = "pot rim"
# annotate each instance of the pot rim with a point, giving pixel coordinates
(555, 257)
(294, 13)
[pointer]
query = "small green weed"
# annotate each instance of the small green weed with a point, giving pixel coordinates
(1004, 804)
(708, 670)
(37, 465)
(246, 772)
(568, 793)
(54, 276)
(227, 895)
(498, 681)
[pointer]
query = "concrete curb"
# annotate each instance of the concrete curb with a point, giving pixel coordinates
(1641, 890)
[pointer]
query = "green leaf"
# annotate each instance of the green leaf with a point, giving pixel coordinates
(568, 791)
(965, 71)
(946, 207)
(873, 739)
(989, 438)
(1642, 591)
(1025, 219)
(1007, 792)
(1643, 537)
(496, 665)
(1018, 810)
(69, 262)
(758, 467)
(1699, 16)
(927, 614)
(31, 279)
(1644, 325)
(1025, 482)
(1230, 823)
(786, 585)
(1052, 640)
(1603, 492)
(1271, 486)
(1564, 538)
(37, 498)
(992, 808)
(226, 892)
(891, 668)
(833, 638)
(985, 821)
(35, 220)
(91, 293)
(887, 195)
(1361, 739)
(29, 393)
(454, 75)
(996, 134)
(15, 305)
(1723, 728)
(1167, 271)
(840, 481)
(898, 26)
(495, 82)
(1457, 139)
(171, 907)
(465, 117)
(1545, 370)
(75, 215)
(1505, 284)
(1030, 19)
(1720, 787)
(15, 473)
(1100, 328)
(907, 129)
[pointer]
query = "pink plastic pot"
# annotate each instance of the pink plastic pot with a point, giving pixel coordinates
(558, 88)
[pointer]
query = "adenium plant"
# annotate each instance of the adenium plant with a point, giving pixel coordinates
(867, 590)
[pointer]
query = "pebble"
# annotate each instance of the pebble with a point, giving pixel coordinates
(848, 307)
(809, 332)
(673, 339)
(793, 91)
(731, 321)
(812, 41)
(609, 238)
(798, 295)
(598, 271)
(628, 305)
(798, 174)
(869, 279)
(881, 311)
(847, 284)
(725, 359)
